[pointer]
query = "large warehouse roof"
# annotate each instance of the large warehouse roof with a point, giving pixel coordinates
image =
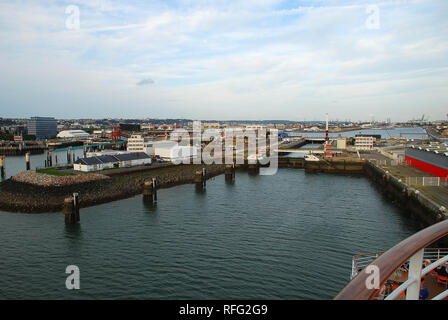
(73, 134)
(112, 158)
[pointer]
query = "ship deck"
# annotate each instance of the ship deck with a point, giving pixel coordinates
(430, 282)
(400, 275)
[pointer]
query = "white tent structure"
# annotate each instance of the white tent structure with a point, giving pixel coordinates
(73, 134)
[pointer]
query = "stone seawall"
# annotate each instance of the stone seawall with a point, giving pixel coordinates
(336, 165)
(27, 198)
(414, 203)
(32, 177)
(332, 165)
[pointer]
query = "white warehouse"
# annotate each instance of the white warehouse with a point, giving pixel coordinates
(165, 149)
(98, 163)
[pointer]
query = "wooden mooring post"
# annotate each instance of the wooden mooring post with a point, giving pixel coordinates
(150, 191)
(200, 179)
(254, 168)
(71, 209)
(230, 172)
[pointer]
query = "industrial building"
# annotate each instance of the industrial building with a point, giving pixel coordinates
(42, 127)
(130, 127)
(73, 134)
(364, 142)
(341, 143)
(433, 160)
(103, 162)
(104, 153)
(138, 143)
(165, 149)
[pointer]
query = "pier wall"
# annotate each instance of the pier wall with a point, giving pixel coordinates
(420, 208)
(28, 198)
(335, 165)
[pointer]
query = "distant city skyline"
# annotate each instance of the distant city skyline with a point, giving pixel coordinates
(225, 60)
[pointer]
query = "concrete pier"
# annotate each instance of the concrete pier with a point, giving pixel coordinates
(335, 165)
(230, 172)
(71, 209)
(416, 203)
(200, 179)
(150, 191)
(253, 168)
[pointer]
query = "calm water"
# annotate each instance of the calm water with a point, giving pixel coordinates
(408, 133)
(15, 164)
(287, 236)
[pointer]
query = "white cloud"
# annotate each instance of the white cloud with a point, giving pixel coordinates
(238, 59)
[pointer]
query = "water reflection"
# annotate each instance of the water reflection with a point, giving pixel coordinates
(73, 231)
(150, 207)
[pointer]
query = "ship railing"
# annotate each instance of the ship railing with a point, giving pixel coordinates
(426, 181)
(414, 279)
(360, 261)
(410, 250)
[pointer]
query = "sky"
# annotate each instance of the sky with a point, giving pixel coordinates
(225, 60)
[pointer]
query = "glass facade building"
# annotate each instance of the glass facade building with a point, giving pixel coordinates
(43, 127)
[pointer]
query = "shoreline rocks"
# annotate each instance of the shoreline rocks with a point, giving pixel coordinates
(21, 197)
(46, 180)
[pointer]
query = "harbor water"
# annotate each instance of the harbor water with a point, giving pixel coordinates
(386, 133)
(15, 164)
(287, 236)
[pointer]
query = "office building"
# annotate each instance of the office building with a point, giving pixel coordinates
(42, 127)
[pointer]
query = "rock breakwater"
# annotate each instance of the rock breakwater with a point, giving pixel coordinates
(18, 196)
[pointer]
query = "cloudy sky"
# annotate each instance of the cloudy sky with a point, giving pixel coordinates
(224, 59)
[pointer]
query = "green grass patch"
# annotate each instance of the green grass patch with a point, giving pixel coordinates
(54, 172)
